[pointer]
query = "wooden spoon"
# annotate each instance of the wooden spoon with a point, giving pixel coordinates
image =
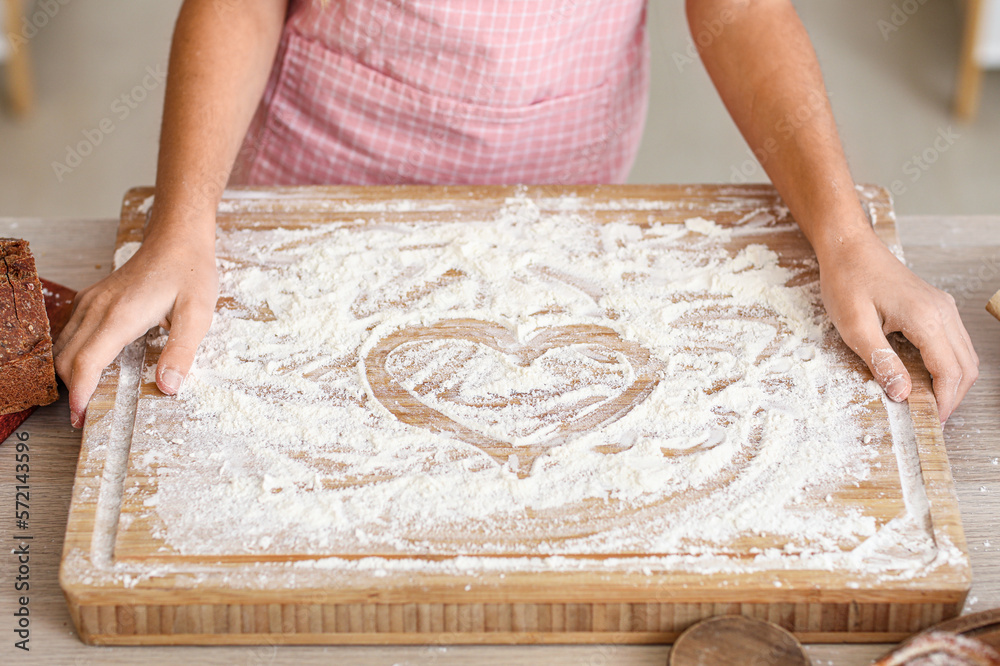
(993, 307)
(956, 638)
(736, 640)
(984, 626)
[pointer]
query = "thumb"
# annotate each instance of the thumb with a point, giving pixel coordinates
(869, 342)
(188, 325)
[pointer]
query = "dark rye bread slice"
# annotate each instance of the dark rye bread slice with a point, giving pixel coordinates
(27, 374)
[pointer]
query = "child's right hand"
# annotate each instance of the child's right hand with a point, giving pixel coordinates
(171, 281)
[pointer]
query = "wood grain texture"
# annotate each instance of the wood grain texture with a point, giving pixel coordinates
(736, 640)
(472, 624)
(197, 606)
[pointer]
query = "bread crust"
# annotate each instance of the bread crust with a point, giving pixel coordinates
(27, 372)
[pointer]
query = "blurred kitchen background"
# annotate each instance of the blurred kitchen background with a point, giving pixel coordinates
(891, 66)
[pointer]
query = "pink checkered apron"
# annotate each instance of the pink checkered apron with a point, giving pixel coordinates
(452, 92)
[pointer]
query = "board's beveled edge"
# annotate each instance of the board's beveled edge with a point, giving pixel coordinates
(935, 469)
(80, 546)
(83, 498)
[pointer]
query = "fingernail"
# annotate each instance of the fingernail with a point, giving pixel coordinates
(75, 419)
(894, 389)
(170, 381)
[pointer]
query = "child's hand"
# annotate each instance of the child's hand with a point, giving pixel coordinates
(171, 282)
(869, 293)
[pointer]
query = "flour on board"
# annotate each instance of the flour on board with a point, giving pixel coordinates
(750, 420)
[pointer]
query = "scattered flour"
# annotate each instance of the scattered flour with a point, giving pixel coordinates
(752, 423)
(146, 204)
(124, 253)
(705, 227)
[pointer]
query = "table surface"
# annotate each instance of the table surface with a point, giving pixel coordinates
(958, 254)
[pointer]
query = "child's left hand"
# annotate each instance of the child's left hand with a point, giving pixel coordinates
(869, 293)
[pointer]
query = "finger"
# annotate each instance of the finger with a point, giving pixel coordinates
(87, 354)
(967, 360)
(863, 333)
(189, 324)
(76, 318)
(952, 309)
(71, 341)
(928, 333)
(889, 370)
(968, 338)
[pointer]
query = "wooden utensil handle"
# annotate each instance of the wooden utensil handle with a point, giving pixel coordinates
(993, 307)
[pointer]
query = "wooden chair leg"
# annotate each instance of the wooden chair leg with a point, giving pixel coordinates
(970, 73)
(20, 89)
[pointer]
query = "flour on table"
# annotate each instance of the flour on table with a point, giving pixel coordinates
(751, 424)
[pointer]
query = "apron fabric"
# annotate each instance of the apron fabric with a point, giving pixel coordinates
(375, 92)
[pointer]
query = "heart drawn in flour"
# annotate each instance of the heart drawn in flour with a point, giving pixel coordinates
(474, 380)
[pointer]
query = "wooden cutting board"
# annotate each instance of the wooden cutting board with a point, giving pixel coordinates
(127, 584)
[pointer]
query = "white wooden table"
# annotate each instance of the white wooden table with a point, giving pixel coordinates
(959, 254)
